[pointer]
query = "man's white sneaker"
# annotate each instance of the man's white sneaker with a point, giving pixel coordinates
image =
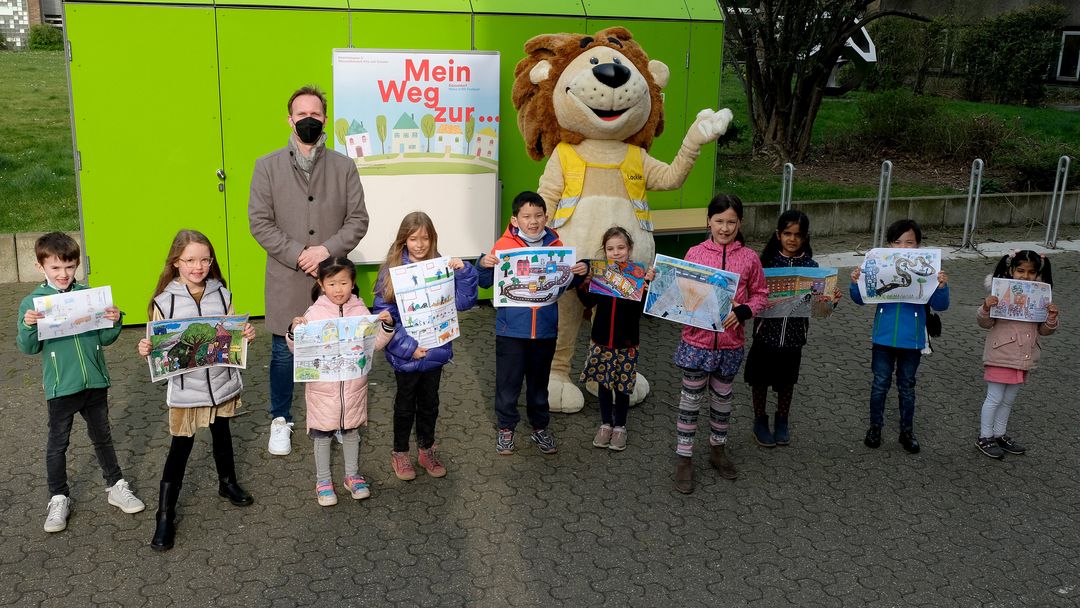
(121, 497)
(59, 507)
(280, 437)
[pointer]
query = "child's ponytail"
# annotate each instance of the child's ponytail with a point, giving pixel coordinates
(1011, 260)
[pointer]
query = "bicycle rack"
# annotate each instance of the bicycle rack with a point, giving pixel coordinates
(785, 187)
(1057, 201)
(881, 209)
(971, 212)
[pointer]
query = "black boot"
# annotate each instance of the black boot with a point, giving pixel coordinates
(228, 488)
(781, 432)
(166, 516)
(226, 468)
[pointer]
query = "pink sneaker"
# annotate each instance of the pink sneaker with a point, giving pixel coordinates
(324, 491)
(357, 486)
(403, 466)
(431, 463)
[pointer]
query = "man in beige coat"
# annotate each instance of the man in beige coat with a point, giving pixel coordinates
(306, 205)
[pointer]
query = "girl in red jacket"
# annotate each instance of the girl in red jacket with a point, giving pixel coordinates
(710, 357)
(338, 406)
(612, 361)
(1012, 350)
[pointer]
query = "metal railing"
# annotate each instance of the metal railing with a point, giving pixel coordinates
(881, 209)
(1057, 201)
(785, 187)
(971, 212)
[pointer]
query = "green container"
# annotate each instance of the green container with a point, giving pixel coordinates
(167, 96)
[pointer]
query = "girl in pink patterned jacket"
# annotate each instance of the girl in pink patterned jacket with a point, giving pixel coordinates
(714, 357)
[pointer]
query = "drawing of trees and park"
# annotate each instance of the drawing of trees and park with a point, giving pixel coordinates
(691, 294)
(532, 276)
(179, 346)
(333, 350)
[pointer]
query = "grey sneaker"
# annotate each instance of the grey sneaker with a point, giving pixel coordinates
(504, 442)
(545, 441)
(618, 439)
(121, 497)
(603, 436)
(59, 507)
(988, 446)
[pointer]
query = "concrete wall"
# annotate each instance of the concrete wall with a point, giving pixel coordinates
(17, 258)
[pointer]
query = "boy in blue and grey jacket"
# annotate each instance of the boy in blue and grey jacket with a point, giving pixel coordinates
(524, 336)
(899, 337)
(74, 379)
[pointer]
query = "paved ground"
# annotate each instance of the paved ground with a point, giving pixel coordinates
(824, 522)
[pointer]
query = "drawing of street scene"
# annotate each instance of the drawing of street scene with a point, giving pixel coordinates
(73, 312)
(1020, 300)
(333, 350)
(179, 346)
(899, 275)
(624, 280)
(691, 294)
(424, 292)
(799, 292)
(532, 276)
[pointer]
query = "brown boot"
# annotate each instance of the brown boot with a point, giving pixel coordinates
(684, 474)
(722, 463)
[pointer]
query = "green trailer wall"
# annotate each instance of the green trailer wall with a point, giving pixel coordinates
(165, 94)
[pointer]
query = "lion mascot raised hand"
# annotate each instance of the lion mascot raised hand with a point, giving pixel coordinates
(592, 105)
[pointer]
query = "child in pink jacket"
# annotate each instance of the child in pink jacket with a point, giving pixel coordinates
(338, 406)
(712, 357)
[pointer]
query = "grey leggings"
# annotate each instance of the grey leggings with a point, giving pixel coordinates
(350, 449)
(996, 408)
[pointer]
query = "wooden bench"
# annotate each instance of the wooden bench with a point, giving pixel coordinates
(678, 221)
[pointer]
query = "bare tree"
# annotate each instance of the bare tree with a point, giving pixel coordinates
(785, 51)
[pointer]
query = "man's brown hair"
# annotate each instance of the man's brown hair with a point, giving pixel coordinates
(58, 244)
(309, 90)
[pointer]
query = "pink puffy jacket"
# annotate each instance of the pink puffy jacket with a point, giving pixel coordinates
(339, 405)
(752, 290)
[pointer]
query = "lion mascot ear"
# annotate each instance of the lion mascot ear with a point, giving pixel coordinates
(546, 55)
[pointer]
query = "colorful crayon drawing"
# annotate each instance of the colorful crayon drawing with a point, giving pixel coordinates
(333, 350)
(73, 312)
(1020, 300)
(899, 275)
(179, 346)
(424, 292)
(799, 292)
(691, 294)
(532, 276)
(624, 280)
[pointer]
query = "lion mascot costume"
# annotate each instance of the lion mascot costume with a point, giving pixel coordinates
(592, 105)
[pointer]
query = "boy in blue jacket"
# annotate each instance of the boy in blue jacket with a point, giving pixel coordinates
(524, 337)
(899, 337)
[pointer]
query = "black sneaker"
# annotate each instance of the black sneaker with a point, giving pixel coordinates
(990, 447)
(1006, 443)
(545, 441)
(910, 443)
(873, 437)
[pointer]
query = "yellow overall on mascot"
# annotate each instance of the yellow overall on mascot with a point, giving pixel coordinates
(592, 105)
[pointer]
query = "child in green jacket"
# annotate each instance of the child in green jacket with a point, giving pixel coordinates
(75, 381)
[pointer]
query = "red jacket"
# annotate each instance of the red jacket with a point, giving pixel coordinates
(752, 290)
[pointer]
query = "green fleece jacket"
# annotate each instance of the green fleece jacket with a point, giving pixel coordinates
(69, 364)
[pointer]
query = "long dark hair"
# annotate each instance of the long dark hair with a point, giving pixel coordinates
(328, 268)
(721, 203)
(787, 218)
(1003, 270)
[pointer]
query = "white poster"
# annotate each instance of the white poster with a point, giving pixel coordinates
(899, 275)
(423, 128)
(1021, 300)
(73, 312)
(333, 350)
(425, 296)
(532, 276)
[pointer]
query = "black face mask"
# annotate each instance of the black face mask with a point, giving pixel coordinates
(308, 129)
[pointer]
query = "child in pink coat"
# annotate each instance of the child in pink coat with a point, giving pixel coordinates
(338, 406)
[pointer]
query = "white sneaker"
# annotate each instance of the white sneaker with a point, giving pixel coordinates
(121, 497)
(280, 437)
(59, 507)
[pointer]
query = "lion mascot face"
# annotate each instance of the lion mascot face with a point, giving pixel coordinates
(592, 105)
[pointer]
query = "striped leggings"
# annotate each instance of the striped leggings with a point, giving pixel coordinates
(693, 390)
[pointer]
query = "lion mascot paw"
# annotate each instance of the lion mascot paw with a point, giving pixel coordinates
(592, 105)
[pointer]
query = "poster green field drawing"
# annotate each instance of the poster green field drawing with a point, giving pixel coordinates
(532, 276)
(691, 294)
(179, 346)
(333, 350)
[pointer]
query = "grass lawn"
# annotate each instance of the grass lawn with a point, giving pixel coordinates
(37, 173)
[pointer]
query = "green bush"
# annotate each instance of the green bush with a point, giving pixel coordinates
(46, 38)
(3, 42)
(1035, 164)
(906, 50)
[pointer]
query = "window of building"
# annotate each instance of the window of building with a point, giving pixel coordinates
(1069, 59)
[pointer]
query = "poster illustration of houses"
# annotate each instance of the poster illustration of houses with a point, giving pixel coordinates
(73, 312)
(691, 294)
(899, 275)
(423, 129)
(624, 280)
(532, 276)
(799, 292)
(424, 292)
(333, 350)
(1020, 300)
(179, 346)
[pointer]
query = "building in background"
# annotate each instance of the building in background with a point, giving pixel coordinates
(18, 16)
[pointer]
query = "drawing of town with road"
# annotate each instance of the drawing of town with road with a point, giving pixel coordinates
(424, 292)
(333, 350)
(532, 276)
(895, 274)
(691, 294)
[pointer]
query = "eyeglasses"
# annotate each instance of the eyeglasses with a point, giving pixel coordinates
(193, 262)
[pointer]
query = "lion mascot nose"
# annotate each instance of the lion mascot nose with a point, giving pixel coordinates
(612, 74)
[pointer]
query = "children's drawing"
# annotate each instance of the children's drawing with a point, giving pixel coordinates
(899, 275)
(1020, 300)
(179, 346)
(799, 292)
(532, 276)
(333, 350)
(73, 312)
(691, 294)
(424, 292)
(624, 280)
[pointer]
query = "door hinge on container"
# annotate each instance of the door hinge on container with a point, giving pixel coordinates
(67, 48)
(78, 160)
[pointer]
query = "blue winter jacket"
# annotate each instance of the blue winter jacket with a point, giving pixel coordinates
(533, 322)
(903, 325)
(399, 351)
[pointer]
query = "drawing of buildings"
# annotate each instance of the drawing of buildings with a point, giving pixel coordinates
(448, 138)
(405, 136)
(358, 140)
(486, 143)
